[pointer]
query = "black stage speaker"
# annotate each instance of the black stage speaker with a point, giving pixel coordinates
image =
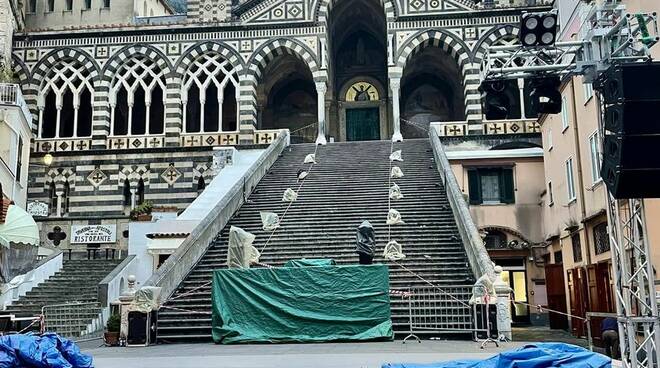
(141, 328)
(629, 82)
(631, 97)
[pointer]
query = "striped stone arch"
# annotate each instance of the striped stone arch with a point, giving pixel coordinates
(267, 52)
(322, 10)
(457, 49)
(22, 72)
(128, 52)
(40, 71)
(172, 123)
(221, 48)
(257, 64)
(490, 38)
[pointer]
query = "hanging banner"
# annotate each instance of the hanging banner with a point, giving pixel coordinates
(37, 209)
(85, 234)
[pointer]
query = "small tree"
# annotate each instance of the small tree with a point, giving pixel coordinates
(6, 74)
(114, 323)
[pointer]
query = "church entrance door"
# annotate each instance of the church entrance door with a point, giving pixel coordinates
(362, 124)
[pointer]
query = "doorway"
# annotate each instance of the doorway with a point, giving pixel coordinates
(554, 279)
(362, 124)
(517, 280)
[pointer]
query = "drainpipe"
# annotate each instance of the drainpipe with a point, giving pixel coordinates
(578, 154)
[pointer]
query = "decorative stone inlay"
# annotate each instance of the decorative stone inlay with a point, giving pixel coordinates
(97, 177)
(171, 175)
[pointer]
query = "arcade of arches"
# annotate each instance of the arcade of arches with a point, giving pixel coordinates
(355, 98)
(357, 104)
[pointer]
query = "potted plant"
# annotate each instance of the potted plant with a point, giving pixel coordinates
(111, 336)
(142, 212)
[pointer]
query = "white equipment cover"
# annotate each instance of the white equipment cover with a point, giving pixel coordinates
(310, 159)
(393, 251)
(146, 299)
(395, 192)
(394, 217)
(396, 156)
(302, 175)
(289, 195)
(483, 291)
(396, 172)
(241, 253)
(269, 220)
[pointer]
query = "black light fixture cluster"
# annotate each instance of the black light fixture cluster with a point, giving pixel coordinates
(538, 29)
(544, 94)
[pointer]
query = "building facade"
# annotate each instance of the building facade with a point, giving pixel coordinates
(132, 112)
(578, 260)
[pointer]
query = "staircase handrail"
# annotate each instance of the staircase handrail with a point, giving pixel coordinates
(474, 246)
(177, 266)
(109, 289)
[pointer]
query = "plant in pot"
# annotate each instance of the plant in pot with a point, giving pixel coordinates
(111, 335)
(142, 212)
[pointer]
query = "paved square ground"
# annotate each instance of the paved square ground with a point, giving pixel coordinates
(346, 355)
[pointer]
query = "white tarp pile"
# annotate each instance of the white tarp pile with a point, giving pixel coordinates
(310, 159)
(396, 156)
(483, 291)
(393, 251)
(396, 172)
(302, 174)
(241, 253)
(269, 220)
(289, 195)
(395, 192)
(394, 217)
(146, 299)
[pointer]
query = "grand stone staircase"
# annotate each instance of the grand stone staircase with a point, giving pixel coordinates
(76, 283)
(349, 184)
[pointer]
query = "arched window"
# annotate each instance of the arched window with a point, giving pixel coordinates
(52, 196)
(66, 198)
(127, 193)
(139, 195)
(495, 239)
(201, 185)
(209, 95)
(137, 98)
(65, 101)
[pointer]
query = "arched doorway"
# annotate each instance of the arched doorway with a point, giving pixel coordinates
(287, 98)
(358, 69)
(431, 91)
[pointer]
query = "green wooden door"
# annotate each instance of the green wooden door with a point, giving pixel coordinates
(362, 124)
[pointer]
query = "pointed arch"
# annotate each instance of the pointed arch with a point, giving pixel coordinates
(322, 10)
(267, 52)
(490, 38)
(203, 47)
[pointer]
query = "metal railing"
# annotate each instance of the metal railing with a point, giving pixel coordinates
(173, 271)
(10, 94)
(474, 246)
(70, 320)
(434, 310)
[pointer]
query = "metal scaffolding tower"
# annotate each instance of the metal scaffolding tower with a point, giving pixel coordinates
(608, 35)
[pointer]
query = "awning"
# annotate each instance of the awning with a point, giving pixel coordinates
(164, 245)
(19, 227)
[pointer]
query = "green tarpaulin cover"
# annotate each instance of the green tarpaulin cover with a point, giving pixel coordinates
(301, 304)
(310, 263)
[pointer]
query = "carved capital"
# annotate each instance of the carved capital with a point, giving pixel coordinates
(395, 84)
(321, 87)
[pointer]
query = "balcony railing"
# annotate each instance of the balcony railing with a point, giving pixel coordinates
(10, 94)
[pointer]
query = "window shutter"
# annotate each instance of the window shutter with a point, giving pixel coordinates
(507, 194)
(475, 187)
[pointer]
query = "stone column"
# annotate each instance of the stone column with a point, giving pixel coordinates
(503, 305)
(321, 89)
(395, 88)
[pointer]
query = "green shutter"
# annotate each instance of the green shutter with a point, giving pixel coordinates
(507, 194)
(475, 187)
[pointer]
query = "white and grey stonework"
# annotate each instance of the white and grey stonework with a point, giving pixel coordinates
(146, 103)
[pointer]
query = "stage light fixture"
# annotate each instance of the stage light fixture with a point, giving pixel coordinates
(545, 95)
(496, 106)
(538, 29)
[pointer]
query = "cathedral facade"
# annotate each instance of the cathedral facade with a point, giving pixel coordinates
(133, 111)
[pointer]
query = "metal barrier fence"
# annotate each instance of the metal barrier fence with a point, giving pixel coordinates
(70, 320)
(443, 311)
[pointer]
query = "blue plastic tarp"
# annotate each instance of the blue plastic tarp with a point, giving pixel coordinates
(46, 351)
(539, 355)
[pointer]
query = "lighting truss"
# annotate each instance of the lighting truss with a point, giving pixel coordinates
(608, 35)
